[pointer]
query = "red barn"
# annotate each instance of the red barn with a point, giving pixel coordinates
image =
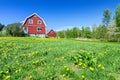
(52, 33)
(35, 26)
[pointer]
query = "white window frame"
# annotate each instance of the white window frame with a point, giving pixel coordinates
(30, 21)
(39, 22)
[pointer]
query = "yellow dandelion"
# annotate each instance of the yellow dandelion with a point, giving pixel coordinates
(63, 75)
(80, 63)
(16, 71)
(7, 72)
(99, 65)
(63, 57)
(65, 66)
(1, 72)
(103, 67)
(7, 77)
(84, 65)
(83, 76)
(67, 69)
(91, 68)
(30, 77)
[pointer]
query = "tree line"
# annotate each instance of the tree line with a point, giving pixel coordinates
(15, 29)
(109, 30)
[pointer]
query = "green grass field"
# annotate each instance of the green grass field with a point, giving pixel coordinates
(58, 59)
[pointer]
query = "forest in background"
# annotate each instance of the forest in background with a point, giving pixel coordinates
(109, 30)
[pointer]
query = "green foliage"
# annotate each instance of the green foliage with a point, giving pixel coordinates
(2, 34)
(117, 21)
(62, 34)
(117, 17)
(15, 29)
(1, 26)
(101, 32)
(87, 32)
(107, 17)
(75, 32)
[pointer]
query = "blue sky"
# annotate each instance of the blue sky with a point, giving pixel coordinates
(58, 14)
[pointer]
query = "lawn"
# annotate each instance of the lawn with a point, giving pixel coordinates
(30, 58)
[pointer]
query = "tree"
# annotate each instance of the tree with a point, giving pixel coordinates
(15, 29)
(117, 16)
(117, 21)
(1, 27)
(62, 34)
(87, 32)
(101, 32)
(112, 31)
(107, 17)
(93, 34)
(69, 33)
(75, 32)
(83, 32)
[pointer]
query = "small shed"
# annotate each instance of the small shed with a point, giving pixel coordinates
(52, 33)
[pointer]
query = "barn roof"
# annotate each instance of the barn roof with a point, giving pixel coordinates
(33, 15)
(50, 31)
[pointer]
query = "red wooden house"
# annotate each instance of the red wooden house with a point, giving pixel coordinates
(35, 26)
(52, 33)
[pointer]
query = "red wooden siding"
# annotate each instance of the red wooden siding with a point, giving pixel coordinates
(33, 28)
(52, 33)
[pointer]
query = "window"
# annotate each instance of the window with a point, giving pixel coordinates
(39, 22)
(39, 29)
(30, 21)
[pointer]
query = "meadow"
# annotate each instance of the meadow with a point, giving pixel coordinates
(30, 58)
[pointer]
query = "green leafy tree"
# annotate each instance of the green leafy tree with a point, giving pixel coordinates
(1, 26)
(93, 33)
(87, 32)
(101, 32)
(117, 21)
(83, 32)
(75, 32)
(107, 17)
(69, 33)
(112, 30)
(15, 29)
(62, 34)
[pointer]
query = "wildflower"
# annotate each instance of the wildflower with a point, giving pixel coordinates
(18, 70)
(80, 63)
(1, 72)
(99, 65)
(37, 61)
(65, 66)
(7, 72)
(7, 77)
(83, 77)
(67, 69)
(30, 77)
(103, 67)
(63, 57)
(91, 68)
(63, 75)
(84, 65)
